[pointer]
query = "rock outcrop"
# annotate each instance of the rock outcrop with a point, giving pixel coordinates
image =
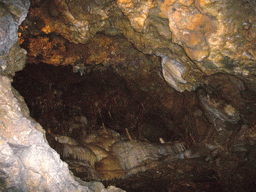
(156, 50)
(195, 37)
(27, 162)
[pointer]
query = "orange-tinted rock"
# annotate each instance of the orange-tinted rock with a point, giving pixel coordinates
(186, 2)
(197, 54)
(109, 168)
(211, 7)
(202, 29)
(165, 6)
(100, 49)
(136, 11)
(190, 28)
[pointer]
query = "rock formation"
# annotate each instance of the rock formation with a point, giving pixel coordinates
(28, 163)
(108, 63)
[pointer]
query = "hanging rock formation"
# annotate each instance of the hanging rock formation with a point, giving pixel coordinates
(152, 47)
(208, 37)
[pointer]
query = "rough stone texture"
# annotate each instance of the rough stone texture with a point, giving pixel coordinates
(27, 161)
(218, 111)
(80, 20)
(12, 57)
(186, 43)
(112, 156)
(207, 36)
(136, 11)
(132, 154)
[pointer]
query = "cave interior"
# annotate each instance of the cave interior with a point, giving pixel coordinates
(110, 84)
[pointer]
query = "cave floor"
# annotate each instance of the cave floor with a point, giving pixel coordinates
(227, 172)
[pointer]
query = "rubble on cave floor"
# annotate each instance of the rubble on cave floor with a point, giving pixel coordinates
(226, 172)
(79, 108)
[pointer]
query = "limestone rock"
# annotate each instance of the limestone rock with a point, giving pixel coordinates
(219, 112)
(65, 139)
(83, 170)
(27, 161)
(194, 38)
(18, 9)
(103, 138)
(172, 72)
(79, 153)
(136, 11)
(84, 17)
(132, 154)
(12, 57)
(109, 168)
(207, 37)
(98, 151)
(99, 187)
(35, 166)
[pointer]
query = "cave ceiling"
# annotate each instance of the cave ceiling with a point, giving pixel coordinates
(151, 49)
(129, 85)
(192, 38)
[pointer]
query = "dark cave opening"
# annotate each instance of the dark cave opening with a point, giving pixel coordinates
(110, 109)
(66, 103)
(60, 100)
(55, 95)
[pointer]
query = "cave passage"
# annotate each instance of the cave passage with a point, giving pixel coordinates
(139, 100)
(56, 95)
(70, 104)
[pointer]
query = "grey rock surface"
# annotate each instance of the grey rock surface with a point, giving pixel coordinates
(133, 153)
(12, 57)
(27, 162)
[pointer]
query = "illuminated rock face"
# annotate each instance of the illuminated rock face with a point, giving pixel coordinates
(188, 43)
(211, 34)
(107, 155)
(12, 57)
(28, 163)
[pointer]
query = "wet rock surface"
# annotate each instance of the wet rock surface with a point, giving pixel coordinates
(126, 67)
(204, 37)
(27, 161)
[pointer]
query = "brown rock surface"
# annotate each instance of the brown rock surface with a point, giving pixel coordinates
(28, 163)
(209, 35)
(131, 57)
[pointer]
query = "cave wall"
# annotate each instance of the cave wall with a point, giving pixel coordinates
(170, 45)
(193, 38)
(189, 44)
(27, 162)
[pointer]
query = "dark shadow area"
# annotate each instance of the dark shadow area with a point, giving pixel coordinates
(66, 103)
